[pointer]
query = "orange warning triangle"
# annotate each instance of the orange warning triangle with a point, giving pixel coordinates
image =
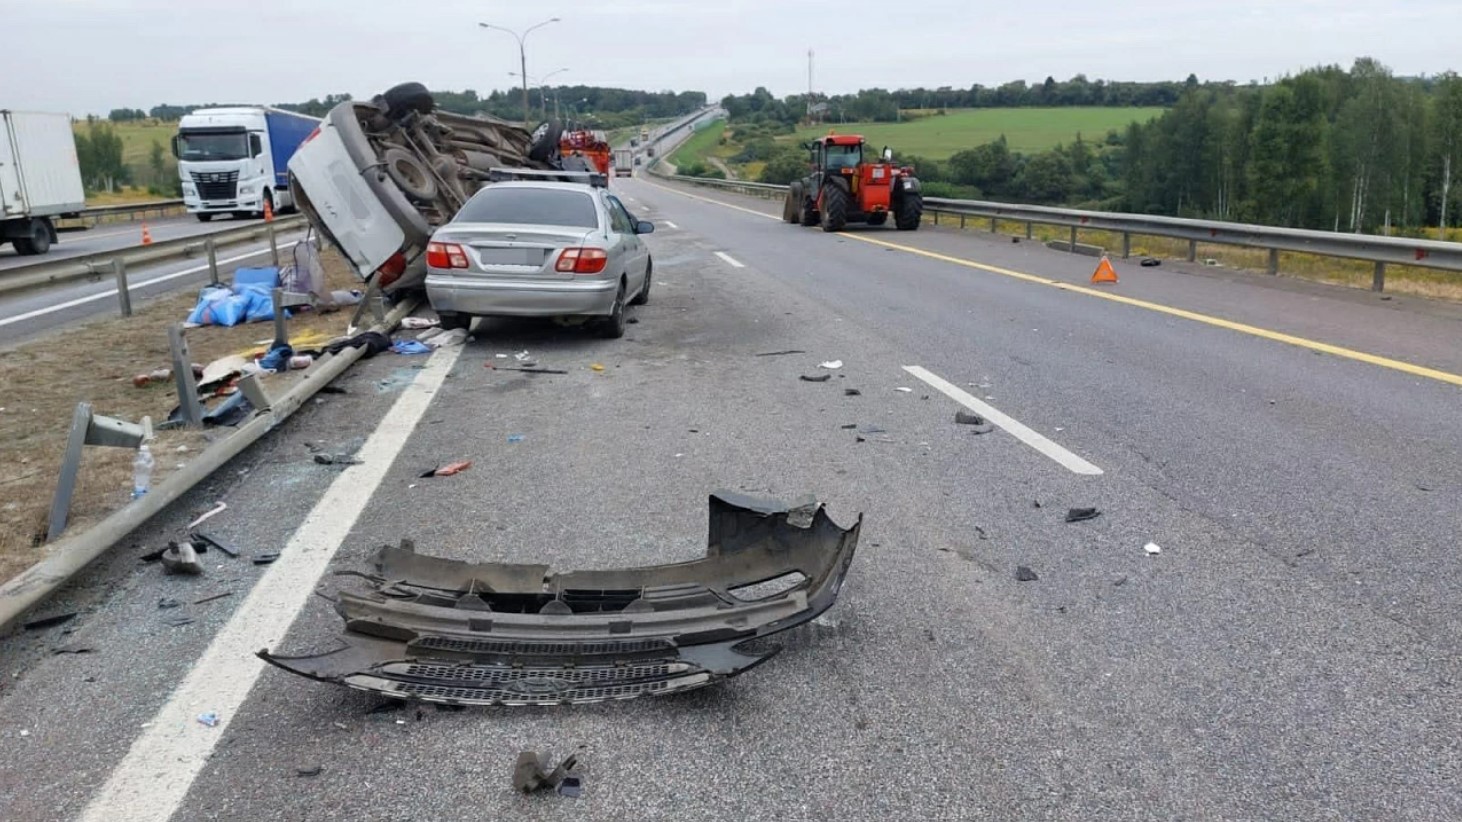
(1104, 272)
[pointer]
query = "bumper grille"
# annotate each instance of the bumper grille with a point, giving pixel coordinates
(217, 185)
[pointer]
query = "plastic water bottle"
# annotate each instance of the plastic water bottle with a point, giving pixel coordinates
(142, 471)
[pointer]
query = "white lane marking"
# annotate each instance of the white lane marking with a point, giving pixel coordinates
(102, 295)
(672, 225)
(1015, 427)
(729, 259)
(154, 778)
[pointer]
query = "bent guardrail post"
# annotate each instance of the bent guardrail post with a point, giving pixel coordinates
(87, 429)
(192, 409)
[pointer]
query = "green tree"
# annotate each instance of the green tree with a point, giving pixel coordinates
(784, 166)
(1447, 141)
(99, 153)
(988, 167)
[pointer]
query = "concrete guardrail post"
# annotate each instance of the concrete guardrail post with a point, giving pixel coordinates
(1029, 229)
(1192, 251)
(1273, 261)
(1126, 244)
(124, 296)
(1378, 277)
(1073, 239)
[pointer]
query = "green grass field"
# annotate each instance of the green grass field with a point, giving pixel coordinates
(700, 145)
(1028, 130)
(137, 139)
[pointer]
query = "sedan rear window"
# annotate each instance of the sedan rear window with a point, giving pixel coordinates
(530, 206)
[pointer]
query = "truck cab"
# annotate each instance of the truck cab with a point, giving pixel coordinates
(233, 160)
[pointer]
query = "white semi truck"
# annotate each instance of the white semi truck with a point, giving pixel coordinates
(40, 178)
(232, 160)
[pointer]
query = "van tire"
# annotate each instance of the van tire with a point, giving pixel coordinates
(407, 172)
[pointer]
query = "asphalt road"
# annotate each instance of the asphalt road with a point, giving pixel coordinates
(116, 236)
(1292, 652)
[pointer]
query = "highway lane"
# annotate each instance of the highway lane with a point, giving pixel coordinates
(1290, 654)
(116, 236)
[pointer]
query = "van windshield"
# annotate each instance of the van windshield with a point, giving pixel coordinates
(212, 145)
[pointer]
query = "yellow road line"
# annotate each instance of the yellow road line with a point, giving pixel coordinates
(1217, 322)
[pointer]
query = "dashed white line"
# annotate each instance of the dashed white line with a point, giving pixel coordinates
(157, 773)
(731, 261)
(102, 295)
(1015, 427)
(672, 225)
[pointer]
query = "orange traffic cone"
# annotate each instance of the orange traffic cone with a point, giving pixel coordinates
(146, 235)
(268, 210)
(1104, 272)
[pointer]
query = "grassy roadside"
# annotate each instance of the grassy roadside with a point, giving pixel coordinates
(95, 362)
(701, 145)
(1027, 130)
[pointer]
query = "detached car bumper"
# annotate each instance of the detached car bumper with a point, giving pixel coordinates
(520, 297)
(441, 630)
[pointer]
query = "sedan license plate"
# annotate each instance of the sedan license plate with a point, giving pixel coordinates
(511, 256)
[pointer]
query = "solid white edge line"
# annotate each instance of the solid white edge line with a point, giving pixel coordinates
(730, 260)
(1014, 427)
(102, 295)
(154, 778)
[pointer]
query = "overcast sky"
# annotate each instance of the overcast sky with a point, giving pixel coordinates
(83, 56)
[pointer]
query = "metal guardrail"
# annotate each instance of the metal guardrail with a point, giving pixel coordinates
(96, 214)
(1380, 251)
(56, 272)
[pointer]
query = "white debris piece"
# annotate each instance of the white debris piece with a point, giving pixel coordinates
(1152, 548)
(831, 365)
(904, 390)
(419, 322)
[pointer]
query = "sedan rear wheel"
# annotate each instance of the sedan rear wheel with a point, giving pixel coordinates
(612, 327)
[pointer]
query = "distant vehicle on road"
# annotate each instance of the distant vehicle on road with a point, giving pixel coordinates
(40, 178)
(233, 160)
(624, 162)
(531, 248)
(593, 146)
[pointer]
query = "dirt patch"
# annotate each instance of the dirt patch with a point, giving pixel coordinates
(95, 362)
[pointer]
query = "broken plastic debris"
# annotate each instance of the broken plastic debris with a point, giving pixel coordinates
(515, 438)
(210, 719)
(596, 367)
(265, 559)
(964, 417)
(816, 377)
(831, 365)
(781, 353)
(48, 621)
(181, 558)
(313, 770)
(521, 356)
(530, 773)
(449, 469)
(852, 392)
(217, 543)
(1082, 514)
(456, 336)
(336, 459)
(219, 508)
(419, 322)
(1025, 574)
(1152, 548)
(1150, 262)
(904, 390)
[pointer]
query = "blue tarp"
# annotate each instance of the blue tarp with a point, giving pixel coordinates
(248, 300)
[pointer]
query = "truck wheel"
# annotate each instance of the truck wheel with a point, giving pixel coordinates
(407, 97)
(546, 146)
(37, 241)
(204, 216)
(910, 213)
(834, 208)
(409, 174)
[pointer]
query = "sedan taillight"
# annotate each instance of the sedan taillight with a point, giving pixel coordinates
(582, 260)
(445, 255)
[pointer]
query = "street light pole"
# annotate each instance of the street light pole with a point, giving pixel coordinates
(542, 84)
(523, 60)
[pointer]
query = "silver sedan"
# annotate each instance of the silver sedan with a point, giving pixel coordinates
(540, 249)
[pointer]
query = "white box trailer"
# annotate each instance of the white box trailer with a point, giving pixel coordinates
(40, 178)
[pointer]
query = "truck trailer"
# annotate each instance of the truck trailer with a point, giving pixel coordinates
(234, 160)
(40, 178)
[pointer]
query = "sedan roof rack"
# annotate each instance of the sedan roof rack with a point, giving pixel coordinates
(593, 178)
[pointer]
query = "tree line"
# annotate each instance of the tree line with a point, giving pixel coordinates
(883, 106)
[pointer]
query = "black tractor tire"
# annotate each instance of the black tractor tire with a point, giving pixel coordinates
(643, 297)
(877, 218)
(834, 208)
(808, 215)
(36, 241)
(407, 97)
(546, 146)
(407, 172)
(792, 204)
(204, 216)
(612, 327)
(910, 213)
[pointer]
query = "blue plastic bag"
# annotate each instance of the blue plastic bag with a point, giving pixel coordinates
(218, 306)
